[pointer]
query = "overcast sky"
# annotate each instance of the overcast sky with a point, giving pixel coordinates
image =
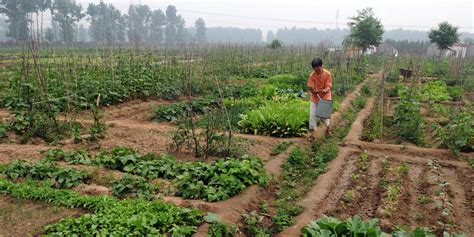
(272, 14)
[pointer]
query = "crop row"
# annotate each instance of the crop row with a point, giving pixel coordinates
(214, 181)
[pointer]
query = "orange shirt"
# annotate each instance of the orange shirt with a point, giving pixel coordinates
(319, 81)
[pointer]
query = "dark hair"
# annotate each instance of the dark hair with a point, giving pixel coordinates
(317, 62)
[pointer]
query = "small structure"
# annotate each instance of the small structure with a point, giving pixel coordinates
(470, 51)
(387, 50)
(458, 50)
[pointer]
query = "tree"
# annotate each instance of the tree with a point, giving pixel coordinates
(105, 22)
(17, 12)
(67, 13)
(137, 22)
(270, 36)
(49, 35)
(180, 31)
(445, 36)
(275, 44)
(365, 29)
(200, 31)
(172, 21)
(157, 22)
(81, 34)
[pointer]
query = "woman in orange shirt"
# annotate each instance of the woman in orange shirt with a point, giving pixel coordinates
(319, 83)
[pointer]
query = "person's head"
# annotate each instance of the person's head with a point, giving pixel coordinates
(317, 64)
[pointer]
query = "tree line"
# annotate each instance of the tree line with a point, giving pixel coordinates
(140, 24)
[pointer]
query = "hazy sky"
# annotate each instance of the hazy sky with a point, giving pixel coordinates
(271, 15)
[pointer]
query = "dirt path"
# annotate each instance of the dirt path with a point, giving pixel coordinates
(325, 197)
(324, 193)
(25, 218)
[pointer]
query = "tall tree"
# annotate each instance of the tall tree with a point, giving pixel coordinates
(105, 22)
(67, 13)
(200, 26)
(137, 21)
(17, 12)
(180, 31)
(49, 35)
(157, 22)
(81, 34)
(122, 29)
(445, 36)
(270, 36)
(365, 29)
(172, 21)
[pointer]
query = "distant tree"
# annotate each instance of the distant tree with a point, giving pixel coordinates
(18, 14)
(233, 34)
(122, 29)
(104, 22)
(270, 36)
(445, 36)
(49, 35)
(172, 21)
(157, 23)
(200, 26)
(365, 29)
(81, 34)
(137, 22)
(180, 31)
(67, 13)
(275, 44)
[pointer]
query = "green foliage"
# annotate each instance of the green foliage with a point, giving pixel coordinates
(365, 90)
(280, 147)
(109, 216)
(365, 29)
(298, 174)
(120, 158)
(455, 92)
(435, 91)
(458, 134)
(372, 125)
(327, 226)
(408, 119)
(275, 44)
(219, 180)
(359, 102)
(393, 76)
(3, 131)
(355, 226)
(277, 119)
(59, 177)
(288, 81)
(445, 36)
(71, 157)
(252, 221)
(137, 187)
(219, 228)
(176, 111)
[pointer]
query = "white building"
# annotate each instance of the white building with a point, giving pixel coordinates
(387, 49)
(457, 50)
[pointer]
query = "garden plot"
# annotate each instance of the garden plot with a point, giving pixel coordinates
(429, 115)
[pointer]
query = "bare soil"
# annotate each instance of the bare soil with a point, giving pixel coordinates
(129, 126)
(24, 218)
